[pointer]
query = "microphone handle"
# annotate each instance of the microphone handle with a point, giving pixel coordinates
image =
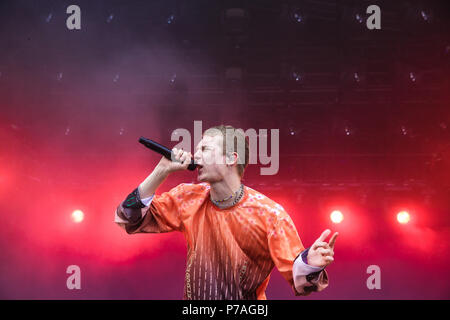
(166, 152)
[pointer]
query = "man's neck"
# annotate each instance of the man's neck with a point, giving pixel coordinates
(225, 188)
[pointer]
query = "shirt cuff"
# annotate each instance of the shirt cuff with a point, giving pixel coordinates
(301, 268)
(146, 201)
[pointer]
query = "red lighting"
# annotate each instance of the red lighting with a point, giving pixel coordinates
(403, 217)
(77, 216)
(336, 216)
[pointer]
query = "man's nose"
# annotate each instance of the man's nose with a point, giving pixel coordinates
(197, 155)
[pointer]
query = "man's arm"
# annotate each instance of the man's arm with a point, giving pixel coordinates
(308, 278)
(309, 267)
(148, 187)
(130, 210)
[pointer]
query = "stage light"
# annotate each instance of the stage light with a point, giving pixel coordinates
(336, 216)
(359, 18)
(403, 217)
(356, 77)
(412, 77)
(49, 17)
(171, 19)
(292, 130)
(110, 18)
(426, 16)
(173, 79)
(404, 130)
(347, 131)
(297, 76)
(77, 216)
(297, 15)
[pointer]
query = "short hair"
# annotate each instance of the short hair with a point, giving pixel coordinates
(238, 137)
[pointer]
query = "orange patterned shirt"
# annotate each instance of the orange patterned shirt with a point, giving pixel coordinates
(231, 252)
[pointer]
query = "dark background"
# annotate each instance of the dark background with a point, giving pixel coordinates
(363, 117)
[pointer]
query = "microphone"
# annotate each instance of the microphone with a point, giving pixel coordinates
(167, 153)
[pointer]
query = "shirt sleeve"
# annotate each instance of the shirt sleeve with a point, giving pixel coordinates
(159, 213)
(285, 246)
(308, 278)
(147, 201)
(123, 219)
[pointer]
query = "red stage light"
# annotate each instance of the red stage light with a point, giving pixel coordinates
(336, 216)
(403, 217)
(77, 216)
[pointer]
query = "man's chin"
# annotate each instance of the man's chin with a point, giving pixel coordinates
(201, 178)
(205, 178)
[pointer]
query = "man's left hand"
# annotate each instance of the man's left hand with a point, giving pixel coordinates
(321, 253)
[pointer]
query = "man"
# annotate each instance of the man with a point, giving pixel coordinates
(235, 235)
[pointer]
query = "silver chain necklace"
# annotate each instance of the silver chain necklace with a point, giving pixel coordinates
(237, 197)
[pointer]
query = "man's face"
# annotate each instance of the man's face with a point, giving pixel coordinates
(210, 159)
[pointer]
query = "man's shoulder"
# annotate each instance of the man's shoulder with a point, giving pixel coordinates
(262, 202)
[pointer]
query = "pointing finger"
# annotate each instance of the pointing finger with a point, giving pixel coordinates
(333, 240)
(324, 235)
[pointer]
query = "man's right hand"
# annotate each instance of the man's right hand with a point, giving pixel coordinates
(162, 170)
(180, 162)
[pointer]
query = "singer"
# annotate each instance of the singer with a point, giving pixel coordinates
(235, 235)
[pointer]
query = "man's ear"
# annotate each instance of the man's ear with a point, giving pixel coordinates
(232, 158)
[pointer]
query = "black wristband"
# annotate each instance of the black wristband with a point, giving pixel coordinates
(133, 200)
